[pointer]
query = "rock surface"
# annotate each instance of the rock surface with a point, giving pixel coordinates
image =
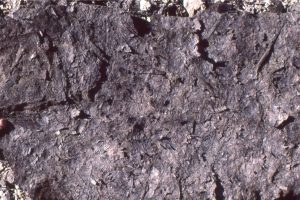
(105, 105)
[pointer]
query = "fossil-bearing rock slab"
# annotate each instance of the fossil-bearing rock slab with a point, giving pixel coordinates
(105, 105)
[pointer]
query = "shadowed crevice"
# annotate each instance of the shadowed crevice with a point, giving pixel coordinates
(142, 26)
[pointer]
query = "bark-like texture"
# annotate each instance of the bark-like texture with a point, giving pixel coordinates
(105, 105)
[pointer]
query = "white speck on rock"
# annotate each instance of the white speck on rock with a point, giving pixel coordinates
(74, 133)
(75, 113)
(57, 132)
(94, 182)
(145, 5)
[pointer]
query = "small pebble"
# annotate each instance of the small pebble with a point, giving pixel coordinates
(94, 182)
(57, 132)
(75, 113)
(74, 133)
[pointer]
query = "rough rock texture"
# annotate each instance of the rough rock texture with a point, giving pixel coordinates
(164, 7)
(105, 105)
